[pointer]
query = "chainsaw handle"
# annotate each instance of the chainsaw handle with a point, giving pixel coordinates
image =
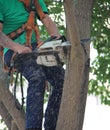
(63, 38)
(50, 38)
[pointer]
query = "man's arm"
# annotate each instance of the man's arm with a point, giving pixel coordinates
(50, 26)
(8, 43)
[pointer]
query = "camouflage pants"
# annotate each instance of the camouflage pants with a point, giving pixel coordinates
(36, 76)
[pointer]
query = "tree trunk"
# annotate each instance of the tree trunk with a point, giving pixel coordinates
(5, 115)
(73, 103)
(7, 105)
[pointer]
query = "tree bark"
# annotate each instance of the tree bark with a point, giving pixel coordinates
(5, 115)
(73, 103)
(8, 102)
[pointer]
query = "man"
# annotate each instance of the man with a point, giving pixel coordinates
(12, 18)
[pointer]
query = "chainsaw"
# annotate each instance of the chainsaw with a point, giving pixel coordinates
(51, 53)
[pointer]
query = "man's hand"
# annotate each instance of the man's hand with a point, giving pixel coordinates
(8, 43)
(21, 49)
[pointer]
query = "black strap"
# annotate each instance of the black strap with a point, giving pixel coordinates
(18, 106)
(33, 8)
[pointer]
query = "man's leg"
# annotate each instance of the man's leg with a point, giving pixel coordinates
(35, 94)
(55, 76)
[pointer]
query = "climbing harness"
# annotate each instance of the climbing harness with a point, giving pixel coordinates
(33, 7)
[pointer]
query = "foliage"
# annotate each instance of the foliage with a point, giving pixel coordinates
(100, 68)
(2, 123)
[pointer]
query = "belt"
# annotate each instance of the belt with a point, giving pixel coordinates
(13, 35)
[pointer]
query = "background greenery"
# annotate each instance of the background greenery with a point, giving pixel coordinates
(100, 33)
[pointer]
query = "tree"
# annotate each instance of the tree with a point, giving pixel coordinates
(74, 94)
(77, 74)
(100, 68)
(13, 117)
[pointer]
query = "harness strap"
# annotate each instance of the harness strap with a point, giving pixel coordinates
(39, 10)
(13, 35)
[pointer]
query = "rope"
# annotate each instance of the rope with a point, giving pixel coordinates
(18, 106)
(22, 93)
(85, 40)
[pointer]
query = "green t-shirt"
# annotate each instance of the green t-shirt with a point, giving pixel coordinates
(13, 15)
